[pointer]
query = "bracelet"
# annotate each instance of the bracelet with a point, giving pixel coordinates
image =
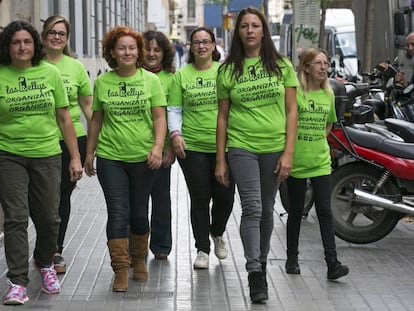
(174, 135)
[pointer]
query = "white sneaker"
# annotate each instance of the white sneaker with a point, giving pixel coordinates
(220, 247)
(201, 261)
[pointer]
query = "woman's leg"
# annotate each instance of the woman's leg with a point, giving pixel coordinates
(269, 186)
(14, 185)
(296, 192)
(223, 199)
(114, 180)
(115, 183)
(141, 182)
(161, 237)
(197, 172)
(44, 190)
(321, 192)
(66, 189)
(246, 172)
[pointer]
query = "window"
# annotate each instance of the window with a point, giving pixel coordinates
(191, 9)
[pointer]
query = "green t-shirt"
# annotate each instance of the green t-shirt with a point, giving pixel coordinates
(166, 80)
(77, 84)
(195, 91)
(257, 117)
(28, 102)
(127, 132)
(311, 157)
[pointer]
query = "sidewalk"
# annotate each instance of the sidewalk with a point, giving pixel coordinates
(381, 274)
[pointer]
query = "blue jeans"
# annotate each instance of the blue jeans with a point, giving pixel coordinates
(321, 191)
(126, 187)
(257, 186)
(29, 187)
(198, 169)
(161, 237)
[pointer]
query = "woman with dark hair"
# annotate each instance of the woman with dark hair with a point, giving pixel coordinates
(55, 37)
(127, 132)
(316, 110)
(33, 107)
(192, 119)
(257, 118)
(160, 60)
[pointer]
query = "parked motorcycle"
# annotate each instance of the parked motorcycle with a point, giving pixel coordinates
(375, 189)
(390, 94)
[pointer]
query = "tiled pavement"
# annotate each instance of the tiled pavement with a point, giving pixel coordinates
(381, 277)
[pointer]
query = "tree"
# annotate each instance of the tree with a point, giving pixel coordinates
(324, 5)
(369, 32)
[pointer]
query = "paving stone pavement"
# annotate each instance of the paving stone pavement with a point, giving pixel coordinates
(381, 274)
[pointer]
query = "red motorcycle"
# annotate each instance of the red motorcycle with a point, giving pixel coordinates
(372, 183)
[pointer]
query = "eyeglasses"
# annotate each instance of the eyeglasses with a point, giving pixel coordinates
(201, 42)
(320, 64)
(53, 33)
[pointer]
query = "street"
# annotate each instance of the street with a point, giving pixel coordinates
(381, 274)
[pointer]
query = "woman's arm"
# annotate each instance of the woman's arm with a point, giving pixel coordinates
(174, 126)
(85, 102)
(93, 132)
(284, 165)
(221, 171)
(328, 128)
(154, 159)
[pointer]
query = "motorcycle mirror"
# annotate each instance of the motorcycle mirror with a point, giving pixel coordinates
(408, 89)
(395, 60)
(390, 83)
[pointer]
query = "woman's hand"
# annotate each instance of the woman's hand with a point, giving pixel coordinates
(222, 173)
(179, 146)
(75, 169)
(169, 156)
(88, 165)
(283, 166)
(154, 159)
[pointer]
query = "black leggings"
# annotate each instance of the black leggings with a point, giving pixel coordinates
(321, 191)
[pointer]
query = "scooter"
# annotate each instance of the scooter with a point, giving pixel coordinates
(374, 188)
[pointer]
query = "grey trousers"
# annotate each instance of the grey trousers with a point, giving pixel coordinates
(257, 186)
(29, 187)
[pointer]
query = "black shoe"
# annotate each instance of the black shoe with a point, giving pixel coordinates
(161, 256)
(258, 289)
(264, 264)
(59, 263)
(336, 269)
(292, 265)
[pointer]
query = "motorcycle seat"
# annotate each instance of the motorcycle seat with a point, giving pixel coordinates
(378, 142)
(402, 128)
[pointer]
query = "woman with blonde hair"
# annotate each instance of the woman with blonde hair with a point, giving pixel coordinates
(311, 159)
(55, 36)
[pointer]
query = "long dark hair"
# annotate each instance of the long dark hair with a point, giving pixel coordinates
(165, 45)
(216, 53)
(5, 40)
(268, 53)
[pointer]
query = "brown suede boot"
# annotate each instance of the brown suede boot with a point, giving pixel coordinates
(138, 250)
(120, 262)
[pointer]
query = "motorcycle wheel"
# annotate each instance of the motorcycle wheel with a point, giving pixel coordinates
(357, 222)
(284, 197)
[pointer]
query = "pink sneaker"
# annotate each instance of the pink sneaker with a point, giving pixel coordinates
(16, 294)
(50, 282)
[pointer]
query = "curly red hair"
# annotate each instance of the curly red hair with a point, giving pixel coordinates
(111, 37)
